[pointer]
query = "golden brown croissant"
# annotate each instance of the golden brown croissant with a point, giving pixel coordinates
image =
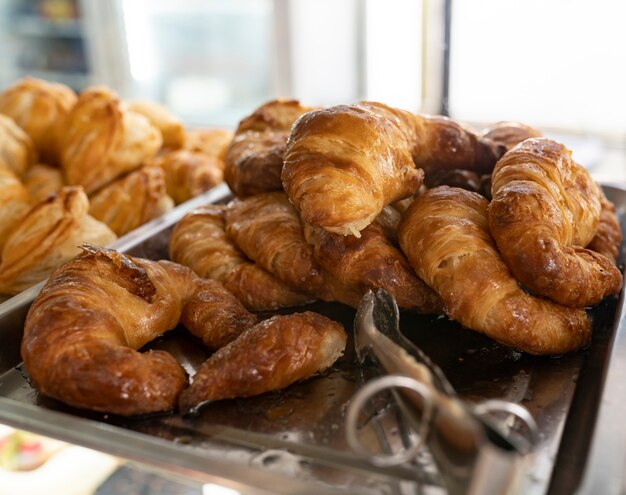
(344, 164)
(445, 235)
(608, 236)
(171, 128)
(545, 209)
(42, 180)
(200, 242)
(17, 152)
(510, 133)
(14, 203)
(189, 173)
(212, 142)
(83, 330)
(271, 355)
(132, 200)
(47, 236)
(372, 262)
(40, 108)
(267, 228)
(254, 159)
(102, 141)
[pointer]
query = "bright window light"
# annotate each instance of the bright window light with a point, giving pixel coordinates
(212, 489)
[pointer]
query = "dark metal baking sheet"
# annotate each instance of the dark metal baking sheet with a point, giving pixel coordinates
(292, 441)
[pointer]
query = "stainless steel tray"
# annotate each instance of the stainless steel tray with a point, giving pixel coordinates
(292, 441)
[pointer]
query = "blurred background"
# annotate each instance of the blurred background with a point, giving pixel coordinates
(559, 65)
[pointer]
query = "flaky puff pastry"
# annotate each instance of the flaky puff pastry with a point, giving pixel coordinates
(42, 180)
(171, 128)
(132, 200)
(14, 203)
(254, 159)
(102, 141)
(510, 133)
(343, 164)
(269, 356)
(40, 108)
(47, 236)
(17, 152)
(200, 242)
(83, 330)
(211, 142)
(267, 228)
(189, 173)
(445, 235)
(608, 236)
(545, 209)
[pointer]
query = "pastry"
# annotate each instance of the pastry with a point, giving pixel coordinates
(14, 202)
(172, 129)
(545, 210)
(200, 242)
(189, 173)
(40, 108)
(343, 164)
(608, 238)
(47, 236)
(445, 235)
(510, 133)
(17, 152)
(132, 200)
(254, 159)
(102, 141)
(42, 180)
(211, 142)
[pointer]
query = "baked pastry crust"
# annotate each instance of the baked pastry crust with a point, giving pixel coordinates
(200, 242)
(172, 129)
(39, 107)
(211, 142)
(510, 133)
(132, 200)
(254, 159)
(102, 141)
(608, 238)
(545, 210)
(445, 235)
(42, 180)
(14, 201)
(17, 152)
(47, 236)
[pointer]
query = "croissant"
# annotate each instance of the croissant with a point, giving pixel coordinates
(39, 108)
(102, 141)
(14, 201)
(17, 152)
(271, 355)
(212, 142)
(131, 201)
(608, 238)
(267, 228)
(445, 235)
(545, 209)
(189, 174)
(371, 262)
(46, 237)
(344, 164)
(172, 129)
(83, 330)
(42, 180)
(510, 133)
(254, 159)
(200, 242)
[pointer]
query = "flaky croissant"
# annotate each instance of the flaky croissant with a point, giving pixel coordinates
(132, 200)
(47, 236)
(189, 173)
(545, 209)
(42, 180)
(102, 141)
(40, 108)
(83, 330)
(17, 152)
(343, 164)
(211, 142)
(271, 355)
(608, 238)
(254, 159)
(510, 133)
(445, 235)
(14, 203)
(200, 242)
(171, 128)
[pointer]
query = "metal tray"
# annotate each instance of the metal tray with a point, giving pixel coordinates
(292, 441)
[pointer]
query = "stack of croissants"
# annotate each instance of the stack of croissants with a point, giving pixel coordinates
(500, 230)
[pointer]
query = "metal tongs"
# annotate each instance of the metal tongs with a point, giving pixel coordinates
(474, 452)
